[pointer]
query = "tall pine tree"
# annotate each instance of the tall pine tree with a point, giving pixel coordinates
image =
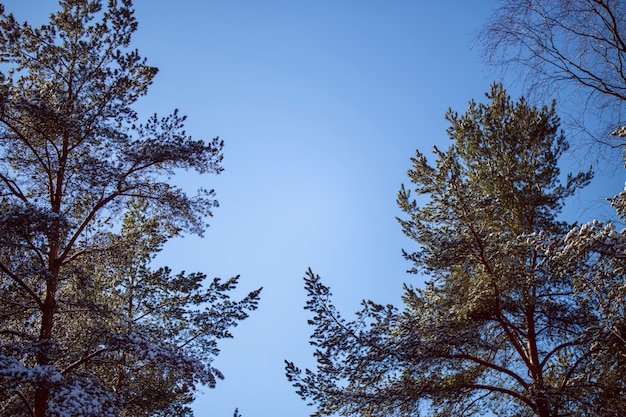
(86, 327)
(498, 326)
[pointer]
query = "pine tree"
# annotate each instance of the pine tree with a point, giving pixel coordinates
(594, 254)
(499, 326)
(87, 327)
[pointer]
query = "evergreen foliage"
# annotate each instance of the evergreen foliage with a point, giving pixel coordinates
(87, 327)
(512, 320)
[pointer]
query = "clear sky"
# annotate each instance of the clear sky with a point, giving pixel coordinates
(321, 104)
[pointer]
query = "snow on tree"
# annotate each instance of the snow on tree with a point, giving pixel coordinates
(87, 327)
(505, 324)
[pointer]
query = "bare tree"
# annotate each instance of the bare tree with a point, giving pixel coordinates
(573, 48)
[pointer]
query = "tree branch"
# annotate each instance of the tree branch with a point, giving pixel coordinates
(29, 407)
(502, 390)
(83, 360)
(493, 366)
(22, 284)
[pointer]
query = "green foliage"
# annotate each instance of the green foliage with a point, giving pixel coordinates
(595, 255)
(501, 326)
(155, 332)
(87, 326)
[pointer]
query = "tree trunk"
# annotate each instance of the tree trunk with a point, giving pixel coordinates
(42, 392)
(543, 409)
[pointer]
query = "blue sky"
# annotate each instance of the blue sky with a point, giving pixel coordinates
(321, 104)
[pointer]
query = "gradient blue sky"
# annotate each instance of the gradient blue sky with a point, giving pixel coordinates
(321, 104)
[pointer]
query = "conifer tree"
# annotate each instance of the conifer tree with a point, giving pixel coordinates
(499, 326)
(86, 327)
(594, 254)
